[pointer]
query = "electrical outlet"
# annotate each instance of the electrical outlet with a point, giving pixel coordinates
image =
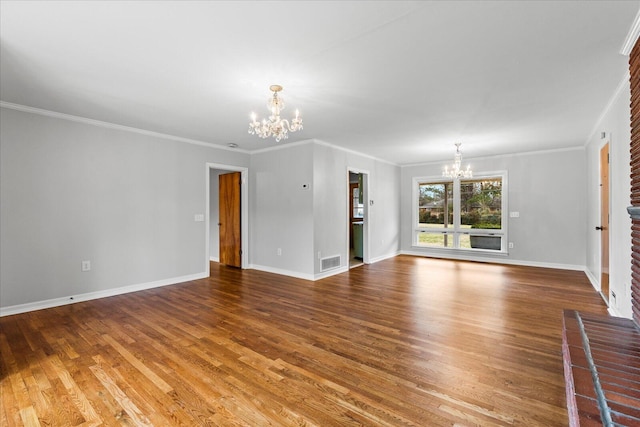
(279, 251)
(86, 265)
(510, 245)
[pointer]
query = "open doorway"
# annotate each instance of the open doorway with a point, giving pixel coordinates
(212, 217)
(357, 217)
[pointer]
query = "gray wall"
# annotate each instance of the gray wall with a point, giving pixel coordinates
(616, 125)
(282, 210)
(331, 167)
(546, 188)
(303, 222)
(72, 191)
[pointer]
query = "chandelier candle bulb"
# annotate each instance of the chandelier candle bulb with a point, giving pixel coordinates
(275, 126)
(456, 171)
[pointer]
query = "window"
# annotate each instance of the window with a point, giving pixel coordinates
(466, 214)
(356, 202)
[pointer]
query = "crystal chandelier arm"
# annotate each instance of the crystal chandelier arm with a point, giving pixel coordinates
(456, 171)
(275, 126)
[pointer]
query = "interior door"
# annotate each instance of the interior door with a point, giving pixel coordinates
(604, 221)
(229, 214)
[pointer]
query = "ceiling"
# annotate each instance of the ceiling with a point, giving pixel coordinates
(397, 80)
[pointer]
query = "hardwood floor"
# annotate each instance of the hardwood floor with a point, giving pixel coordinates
(406, 341)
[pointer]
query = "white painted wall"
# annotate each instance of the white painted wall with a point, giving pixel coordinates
(73, 191)
(546, 188)
(616, 124)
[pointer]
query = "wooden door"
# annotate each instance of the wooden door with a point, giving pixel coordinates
(604, 221)
(229, 225)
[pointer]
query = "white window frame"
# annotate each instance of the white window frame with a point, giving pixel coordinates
(456, 231)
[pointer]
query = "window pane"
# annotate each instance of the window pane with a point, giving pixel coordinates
(439, 240)
(358, 208)
(435, 205)
(481, 203)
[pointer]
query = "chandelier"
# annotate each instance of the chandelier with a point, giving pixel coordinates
(456, 171)
(275, 126)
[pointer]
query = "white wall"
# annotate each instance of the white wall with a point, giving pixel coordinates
(546, 188)
(616, 124)
(73, 191)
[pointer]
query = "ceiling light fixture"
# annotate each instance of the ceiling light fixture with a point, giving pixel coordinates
(456, 171)
(275, 126)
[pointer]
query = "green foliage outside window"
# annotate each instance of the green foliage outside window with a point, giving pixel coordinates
(480, 203)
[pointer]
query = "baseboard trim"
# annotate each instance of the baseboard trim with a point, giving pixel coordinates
(594, 281)
(282, 272)
(614, 312)
(317, 276)
(383, 257)
(330, 273)
(214, 259)
(498, 261)
(72, 299)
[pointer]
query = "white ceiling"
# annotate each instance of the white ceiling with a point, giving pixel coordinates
(397, 80)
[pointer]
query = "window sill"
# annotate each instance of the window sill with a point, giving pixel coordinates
(459, 251)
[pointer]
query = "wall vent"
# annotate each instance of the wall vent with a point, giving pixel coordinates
(330, 263)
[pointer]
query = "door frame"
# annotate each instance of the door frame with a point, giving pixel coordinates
(366, 178)
(244, 211)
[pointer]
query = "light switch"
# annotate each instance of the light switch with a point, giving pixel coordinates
(514, 214)
(198, 217)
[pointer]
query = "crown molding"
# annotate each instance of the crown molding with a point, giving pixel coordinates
(357, 153)
(623, 83)
(323, 143)
(498, 156)
(108, 125)
(281, 146)
(632, 36)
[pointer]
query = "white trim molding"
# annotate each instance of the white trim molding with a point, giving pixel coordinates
(462, 257)
(632, 36)
(72, 299)
(621, 86)
(283, 272)
(99, 123)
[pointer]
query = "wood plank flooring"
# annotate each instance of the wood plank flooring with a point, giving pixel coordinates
(407, 341)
